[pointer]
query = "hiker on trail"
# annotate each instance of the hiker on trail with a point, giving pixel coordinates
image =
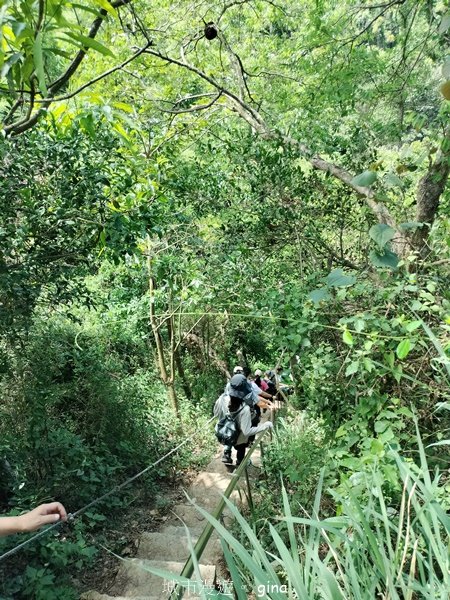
(260, 382)
(269, 377)
(221, 409)
(277, 376)
(283, 390)
(264, 397)
(45, 514)
(241, 399)
(254, 400)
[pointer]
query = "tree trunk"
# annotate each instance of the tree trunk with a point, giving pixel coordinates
(184, 382)
(167, 379)
(429, 192)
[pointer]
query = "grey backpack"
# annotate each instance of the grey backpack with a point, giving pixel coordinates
(227, 429)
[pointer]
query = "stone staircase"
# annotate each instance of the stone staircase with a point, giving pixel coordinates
(168, 548)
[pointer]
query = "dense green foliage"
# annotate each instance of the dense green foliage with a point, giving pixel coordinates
(277, 192)
(370, 549)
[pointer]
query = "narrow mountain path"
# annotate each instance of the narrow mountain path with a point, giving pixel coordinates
(168, 547)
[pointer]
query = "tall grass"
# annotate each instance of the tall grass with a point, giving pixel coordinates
(371, 550)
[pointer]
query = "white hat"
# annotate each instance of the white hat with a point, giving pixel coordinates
(258, 372)
(238, 369)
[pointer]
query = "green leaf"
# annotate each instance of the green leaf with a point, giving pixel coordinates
(87, 42)
(238, 585)
(360, 325)
(390, 359)
(440, 443)
(387, 259)
(445, 23)
(347, 337)
(381, 234)
(403, 349)
(107, 6)
(352, 368)
(446, 68)
(368, 365)
(319, 295)
(438, 346)
(121, 131)
(128, 108)
(412, 326)
(398, 373)
(392, 180)
(410, 225)
(88, 9)
(341, 431)
(10, 63)
(338, 278)
(381, 426)
(365, 179)
(376, 447)
(39, 63)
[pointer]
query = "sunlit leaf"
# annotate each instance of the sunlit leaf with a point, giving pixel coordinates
(403, 349)
(347, 337)
(39, 63)
(107, 7)
(87, 42)
(352, 367)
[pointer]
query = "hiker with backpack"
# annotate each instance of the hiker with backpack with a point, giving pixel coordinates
(235, 427)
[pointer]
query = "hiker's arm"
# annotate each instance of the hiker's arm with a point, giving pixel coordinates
(246, 424)
(44, 514)
(265, 403)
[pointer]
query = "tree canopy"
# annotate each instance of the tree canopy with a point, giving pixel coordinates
(189, 184)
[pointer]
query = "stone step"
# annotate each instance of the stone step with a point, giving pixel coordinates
(215, 480)
(192, 518)
(189, 516)
(140, 582)
(175, 547)
(208, 488)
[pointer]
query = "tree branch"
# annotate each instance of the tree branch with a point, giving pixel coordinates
(32, 118)
(97, 23)
(255, 120)
(96, 79)
(194, 108)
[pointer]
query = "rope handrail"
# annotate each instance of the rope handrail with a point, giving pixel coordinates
(115, 489)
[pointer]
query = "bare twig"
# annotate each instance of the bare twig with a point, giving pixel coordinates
(194, 108)
(96, 79)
